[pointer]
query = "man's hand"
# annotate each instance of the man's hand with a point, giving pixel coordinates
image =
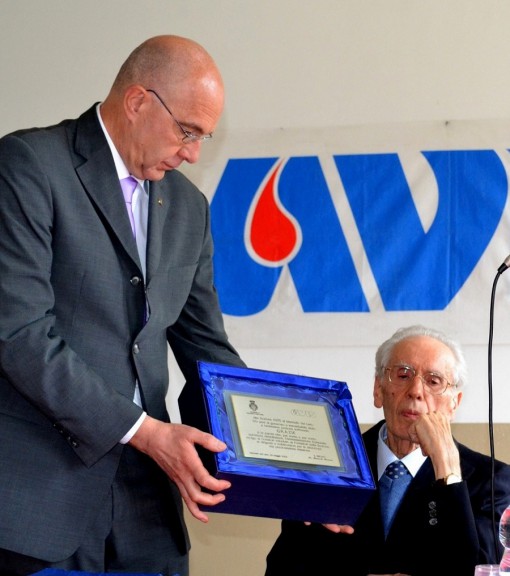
(172, 447)
(433, 433)
(337, 528)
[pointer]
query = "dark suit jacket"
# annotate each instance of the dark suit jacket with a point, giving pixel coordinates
(72, 333)
(437, 531)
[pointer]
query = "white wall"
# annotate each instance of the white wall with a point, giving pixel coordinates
(288, 64)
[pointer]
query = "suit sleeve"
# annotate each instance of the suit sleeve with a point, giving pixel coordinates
(463, 513)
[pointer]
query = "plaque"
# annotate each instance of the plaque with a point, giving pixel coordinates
(294, 447)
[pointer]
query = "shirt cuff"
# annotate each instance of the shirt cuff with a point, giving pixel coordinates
(127, 437)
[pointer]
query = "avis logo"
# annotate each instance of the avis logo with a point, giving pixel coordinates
(268, 214)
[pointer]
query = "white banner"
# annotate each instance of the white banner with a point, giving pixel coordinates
(468, 174)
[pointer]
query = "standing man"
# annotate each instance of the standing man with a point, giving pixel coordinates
(443, 521)
(92, 471)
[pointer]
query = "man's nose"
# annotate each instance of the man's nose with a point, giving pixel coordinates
(190, 152)
(417, 389)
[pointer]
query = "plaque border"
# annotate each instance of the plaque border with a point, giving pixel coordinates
(220, 380)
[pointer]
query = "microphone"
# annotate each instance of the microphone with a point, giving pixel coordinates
(505, 265)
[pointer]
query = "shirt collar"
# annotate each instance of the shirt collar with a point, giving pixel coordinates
(122, 171)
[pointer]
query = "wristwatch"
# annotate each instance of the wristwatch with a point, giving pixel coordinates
(450, 479)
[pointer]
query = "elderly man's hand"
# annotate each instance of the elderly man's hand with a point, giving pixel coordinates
(432, 431)
(337, 528)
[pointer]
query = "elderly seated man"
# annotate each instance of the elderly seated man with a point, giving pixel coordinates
(442, 522)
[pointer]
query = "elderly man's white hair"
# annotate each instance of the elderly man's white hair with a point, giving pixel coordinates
(385, 350)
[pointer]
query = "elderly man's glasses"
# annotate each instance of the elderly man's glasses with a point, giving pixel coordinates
(403, 375)
(188, 136)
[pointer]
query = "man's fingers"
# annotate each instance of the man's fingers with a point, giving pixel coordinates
(336, 528)
(339, 528)
(209, 442)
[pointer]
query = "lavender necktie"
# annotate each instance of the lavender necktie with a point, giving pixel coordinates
(128, 187)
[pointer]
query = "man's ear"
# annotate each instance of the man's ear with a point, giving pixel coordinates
(378, 395)
(134, 97)
(456, 400)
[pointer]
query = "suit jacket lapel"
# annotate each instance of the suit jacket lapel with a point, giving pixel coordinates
(159, 203)
(99, 178)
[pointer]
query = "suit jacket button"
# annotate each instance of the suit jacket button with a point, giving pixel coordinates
(136, 349)
(135, 280)
(58, 428)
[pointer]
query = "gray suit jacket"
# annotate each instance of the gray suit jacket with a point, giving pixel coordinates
(72, 333)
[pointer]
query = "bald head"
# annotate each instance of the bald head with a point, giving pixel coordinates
(168, 61)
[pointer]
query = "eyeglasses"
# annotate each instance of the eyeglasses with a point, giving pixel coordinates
(188, 136)
(403, 375)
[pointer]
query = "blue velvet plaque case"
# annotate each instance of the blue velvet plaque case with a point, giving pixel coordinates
(294, 447)
(57, 572)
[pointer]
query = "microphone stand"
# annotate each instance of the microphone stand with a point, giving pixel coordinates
(501, 269)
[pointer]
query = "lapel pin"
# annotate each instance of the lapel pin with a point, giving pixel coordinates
(160, 201)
